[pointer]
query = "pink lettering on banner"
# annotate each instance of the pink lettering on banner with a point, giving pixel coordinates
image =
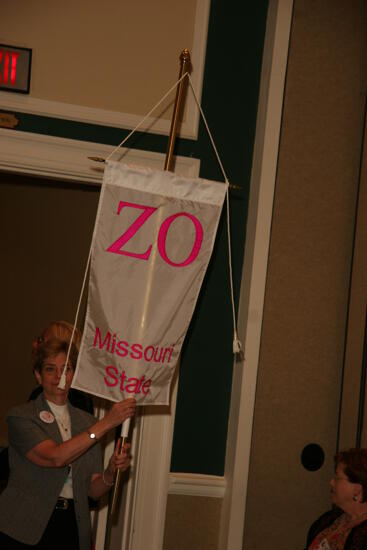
(111, 344)
(112, 373)
(199, 234)
(116, 247)
(134, 227)
(147, 357)
(136, 351)
(122, 348)
(169, 350)
(98, 340)
(155, 359)
(128, 385)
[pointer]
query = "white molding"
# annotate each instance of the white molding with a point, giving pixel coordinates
(196, 485)
(67, 159)
(189, 128)
(99, 517)
(254, 272)
(152, 471)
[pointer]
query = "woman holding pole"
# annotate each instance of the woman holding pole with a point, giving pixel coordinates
(55, 461)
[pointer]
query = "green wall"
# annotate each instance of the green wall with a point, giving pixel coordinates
(230, 98)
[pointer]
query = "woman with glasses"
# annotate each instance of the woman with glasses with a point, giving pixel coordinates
(345, 526)
(55, 461)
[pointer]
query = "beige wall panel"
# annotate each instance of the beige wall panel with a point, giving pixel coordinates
(192, 523)
(306, 301)
(48, 229)
(114, 55)
(356, 325)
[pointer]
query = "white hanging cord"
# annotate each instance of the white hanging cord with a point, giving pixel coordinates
(237, 346)
(147, 115)
(209, 133)
(62, 382)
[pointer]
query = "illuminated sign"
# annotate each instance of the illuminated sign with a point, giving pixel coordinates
(15, 69)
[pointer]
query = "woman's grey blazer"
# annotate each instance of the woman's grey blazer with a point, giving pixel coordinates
(30, 497)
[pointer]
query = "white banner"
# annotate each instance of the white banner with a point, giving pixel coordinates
(152, 242)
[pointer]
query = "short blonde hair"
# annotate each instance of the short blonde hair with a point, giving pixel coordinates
(61, 330)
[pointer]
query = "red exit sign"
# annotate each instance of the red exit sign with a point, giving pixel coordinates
(15, 69)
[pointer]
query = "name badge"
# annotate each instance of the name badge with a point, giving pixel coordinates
(47, 417)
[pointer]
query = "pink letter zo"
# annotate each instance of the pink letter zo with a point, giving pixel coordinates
(163, 235)
(121, 241)
(116, 247)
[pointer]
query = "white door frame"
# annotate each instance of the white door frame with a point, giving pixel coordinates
(264, 168)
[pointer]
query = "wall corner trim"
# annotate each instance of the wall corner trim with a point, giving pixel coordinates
(67, 159)
(253, 283)
(196, 485)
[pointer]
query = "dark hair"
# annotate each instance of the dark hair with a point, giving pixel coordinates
(53, 347)
(354, 463)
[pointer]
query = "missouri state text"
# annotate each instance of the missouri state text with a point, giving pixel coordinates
(109, 342)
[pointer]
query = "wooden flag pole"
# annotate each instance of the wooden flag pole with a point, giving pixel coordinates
(168, 166)
(185, 65)
(125, 427)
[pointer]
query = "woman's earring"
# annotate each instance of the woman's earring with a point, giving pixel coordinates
(355, 498)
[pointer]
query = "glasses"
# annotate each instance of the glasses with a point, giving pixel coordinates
(50, 369)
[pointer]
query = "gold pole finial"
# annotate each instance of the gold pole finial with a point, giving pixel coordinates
(185, 56)
(185, 67)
